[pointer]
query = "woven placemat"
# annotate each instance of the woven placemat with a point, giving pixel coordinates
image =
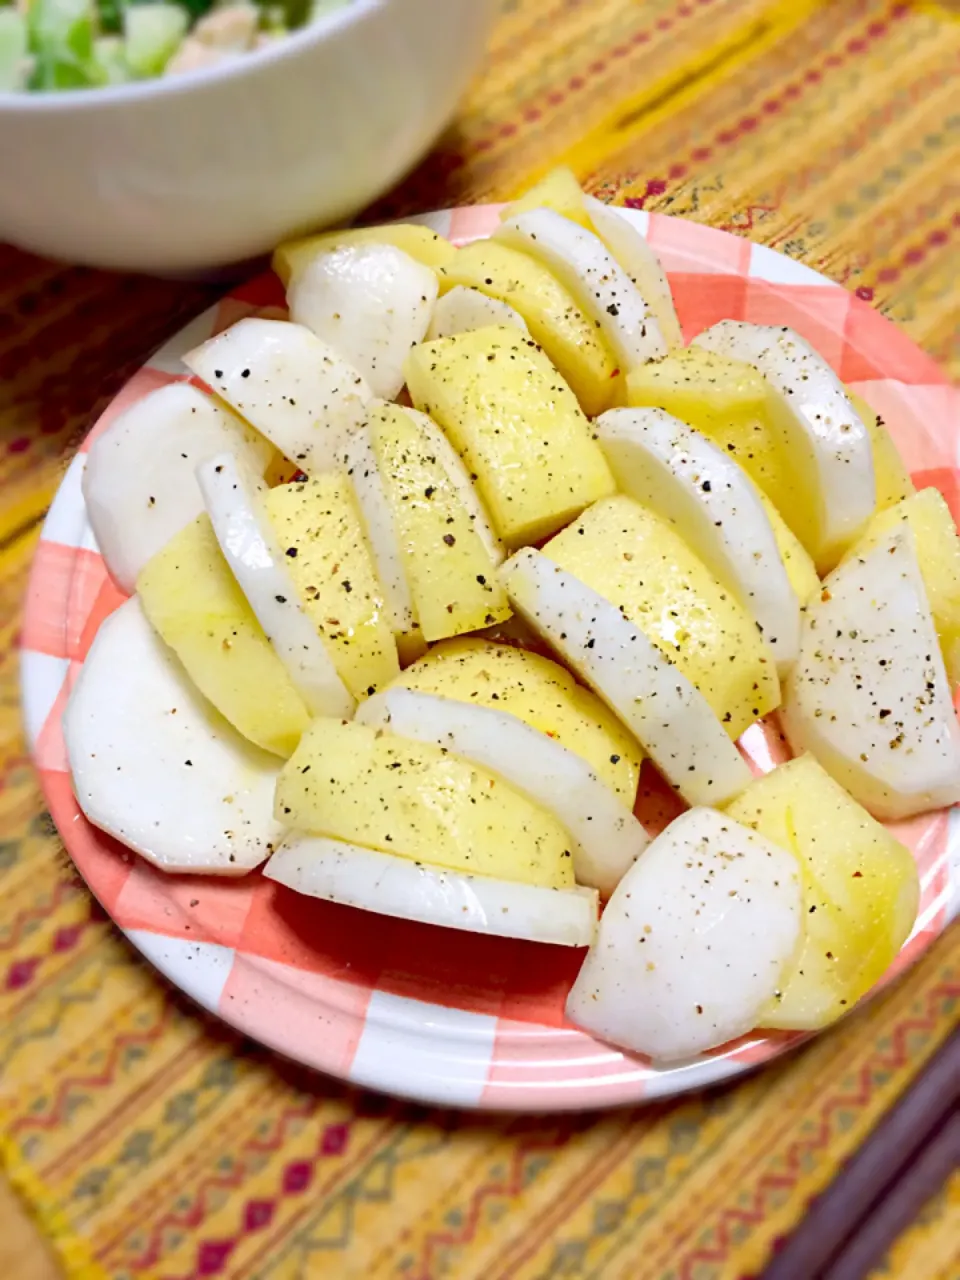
(149, 1142)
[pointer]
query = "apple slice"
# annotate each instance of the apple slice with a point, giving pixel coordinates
(452, 466)
(196, 606)
(559, 190)
(538, 691)
(234, 502)
(318, 523)
(640, 564)
(828, 448)
(417, 241)
(726, 400)
(370, 302)
(570, 339)
(359, 460)
(889, 469)
(294, 388)
(516, 425)
(861, 891)
(156, 767)
(139, 481)
(412, 799)
(693, 943)
(607, 838)
(449, 551)
(665, 712)
(684, 478)
(392, 886)
(602, 288)
(631, 250)
(463, 310)
(869, 696)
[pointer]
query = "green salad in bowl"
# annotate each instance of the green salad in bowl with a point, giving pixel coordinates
(50, 45)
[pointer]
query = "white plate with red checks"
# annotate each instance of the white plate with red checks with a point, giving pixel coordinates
(428, 1013)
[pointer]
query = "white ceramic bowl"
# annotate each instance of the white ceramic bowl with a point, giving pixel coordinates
(196, 172)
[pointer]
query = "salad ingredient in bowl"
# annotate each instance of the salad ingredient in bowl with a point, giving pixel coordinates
(187, 174)
(50, 45)
(447, 602)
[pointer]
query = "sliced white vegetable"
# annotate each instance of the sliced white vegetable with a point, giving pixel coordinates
(156, 767)
(371, 303)
(668, 715)
(607, 838)
(693, 943)
(234, 502)
(640, 263)
(139, 481)
(294, 388)
(869, 696)
(827, 445)
(360, 462)
(580, 261)
(684, 477)
(463, 309)
(459, 477)
(393, 886)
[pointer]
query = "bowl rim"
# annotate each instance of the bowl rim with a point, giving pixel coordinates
(352, 13)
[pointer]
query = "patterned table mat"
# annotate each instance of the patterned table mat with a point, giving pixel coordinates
(149, 1142)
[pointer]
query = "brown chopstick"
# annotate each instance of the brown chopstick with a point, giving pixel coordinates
(894, 1212)
(885, 1182)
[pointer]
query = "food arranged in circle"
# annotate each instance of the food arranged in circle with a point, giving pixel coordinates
(425, 576)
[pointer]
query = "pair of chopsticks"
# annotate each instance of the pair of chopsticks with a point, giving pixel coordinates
(906, 1159)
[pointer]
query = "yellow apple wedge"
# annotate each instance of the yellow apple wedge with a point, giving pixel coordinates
(197, 607)
(558, 190)
(155, 766)
(541, 693)
(827, 447)
(601, 287)
(517, 426)
(725, 399)
(861, 891)
(448, 550)
(318, 526)
(711, 502)
(666, 713)
(350, 782)
(639, 563)
(570, 338)
(419, 242)
(606, 837)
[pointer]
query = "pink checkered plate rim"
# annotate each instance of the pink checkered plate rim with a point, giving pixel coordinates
(421, 1012)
